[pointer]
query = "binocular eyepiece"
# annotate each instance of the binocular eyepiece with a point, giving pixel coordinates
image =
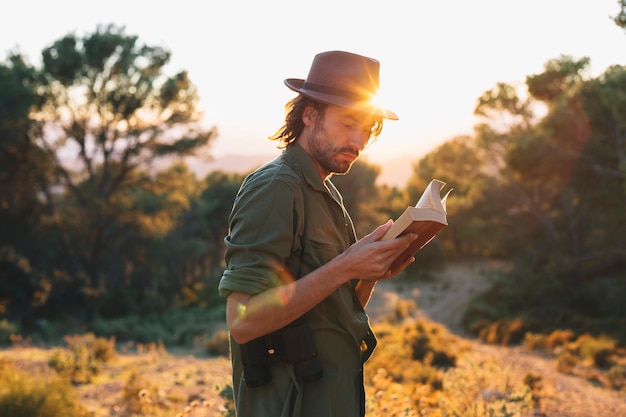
(293, 343)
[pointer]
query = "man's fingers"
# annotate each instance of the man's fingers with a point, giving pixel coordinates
(379, 232)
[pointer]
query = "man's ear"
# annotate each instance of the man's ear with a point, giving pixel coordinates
(309, 115)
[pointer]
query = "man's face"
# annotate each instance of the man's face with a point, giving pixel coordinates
(337, 137)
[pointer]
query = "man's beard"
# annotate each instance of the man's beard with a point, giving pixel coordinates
(328, 156)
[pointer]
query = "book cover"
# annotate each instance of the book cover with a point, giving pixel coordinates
(427, 218)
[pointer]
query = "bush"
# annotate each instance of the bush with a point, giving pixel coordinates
(100, 348)
(617, 377)
(483, 388)
(83, 358)
(218, 343)
(176, 327)
(76, 364)
(7, 329)
(597, 350)
(21, 395)
(566, 362)
(504, 331)
(558, 339)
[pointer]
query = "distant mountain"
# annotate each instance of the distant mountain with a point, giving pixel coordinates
(394, 172)
(397, 171)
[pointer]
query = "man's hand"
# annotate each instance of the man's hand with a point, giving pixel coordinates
(371, 259)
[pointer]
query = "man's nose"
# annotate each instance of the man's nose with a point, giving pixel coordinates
(358, 140)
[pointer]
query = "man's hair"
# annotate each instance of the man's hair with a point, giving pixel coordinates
(293, 126)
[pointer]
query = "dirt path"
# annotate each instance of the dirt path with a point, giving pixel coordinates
(445, 299)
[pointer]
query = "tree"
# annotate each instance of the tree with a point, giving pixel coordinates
(24, 169)
(560, 189)
(198, 258)
(620, 19)
(461, 164)
(362, 196)
(108, 111)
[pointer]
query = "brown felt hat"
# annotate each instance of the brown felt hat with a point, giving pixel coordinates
(343, 79)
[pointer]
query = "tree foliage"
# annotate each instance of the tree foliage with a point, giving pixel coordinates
(620, 18)
(108, 111)
(81, 136)
(554, 191)
(100, 216)
(362, 196)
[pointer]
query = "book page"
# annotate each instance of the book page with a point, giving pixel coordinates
(431, 197)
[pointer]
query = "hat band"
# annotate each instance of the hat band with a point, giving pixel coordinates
(352, 95)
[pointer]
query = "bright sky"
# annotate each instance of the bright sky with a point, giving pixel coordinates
(437, 57)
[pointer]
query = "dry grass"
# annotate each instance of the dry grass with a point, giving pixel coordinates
(154, 383)
(453, 376)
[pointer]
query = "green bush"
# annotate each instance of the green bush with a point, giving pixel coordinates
(21, 395)
(175, 327)
(7, 329)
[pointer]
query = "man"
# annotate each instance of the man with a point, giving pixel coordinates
(297, 280)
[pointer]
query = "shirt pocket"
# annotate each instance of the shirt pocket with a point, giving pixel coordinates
(316, 254)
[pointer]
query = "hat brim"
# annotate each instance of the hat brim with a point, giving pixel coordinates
(297, 85)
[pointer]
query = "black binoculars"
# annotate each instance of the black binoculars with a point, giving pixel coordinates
(293, 344)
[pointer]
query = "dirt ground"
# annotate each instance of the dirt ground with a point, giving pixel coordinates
(444, 300)
(195, 381)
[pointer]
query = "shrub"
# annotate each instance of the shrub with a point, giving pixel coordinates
(554, 341)
(566, 362)
(483, 388)
(21, 395)
(559, 338)
(597, 350)
(75, 364)
(535, 341)
(617, 377)
(504, 332)
(218, 343)
(175, 327)
(100, 348)
(136, 396)
(83, 358)
(7, 329)
(229, 401)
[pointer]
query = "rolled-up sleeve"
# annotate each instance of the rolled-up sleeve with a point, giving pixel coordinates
(261, 234)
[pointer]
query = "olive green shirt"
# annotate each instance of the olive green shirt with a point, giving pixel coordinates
(285, 223)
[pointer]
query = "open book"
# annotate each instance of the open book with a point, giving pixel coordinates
(427, 219)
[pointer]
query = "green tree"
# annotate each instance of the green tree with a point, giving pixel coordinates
(362, 196)
(558, 192)
(139, 275)
(620, 18)
(24, 172)
(459, 163)
(199, 261)
(24, 169)
(600, 175)
(108, 111)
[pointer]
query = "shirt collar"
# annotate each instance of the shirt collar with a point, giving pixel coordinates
(307, 166)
